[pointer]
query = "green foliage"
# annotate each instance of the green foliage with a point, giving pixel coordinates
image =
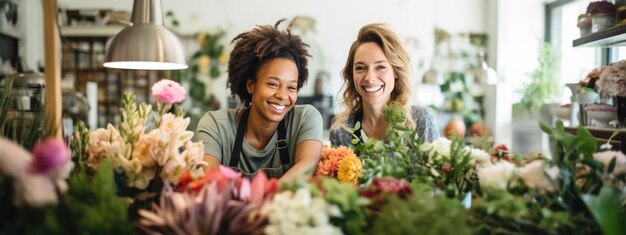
(347, 198)
(421, 213)
(212, 49)
(400, 156)
(22, 127)
(79, 143)
(607, 210)
(544, 83)
(92, 206)
(396, 156)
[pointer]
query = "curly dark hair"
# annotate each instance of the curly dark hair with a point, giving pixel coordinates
(255, 47)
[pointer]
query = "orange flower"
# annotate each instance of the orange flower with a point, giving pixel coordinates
(350, 169)
(330, 159)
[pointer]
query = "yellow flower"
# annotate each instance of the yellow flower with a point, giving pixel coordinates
(349, 169)
(200, 38)
(223, 59)
(204, 62)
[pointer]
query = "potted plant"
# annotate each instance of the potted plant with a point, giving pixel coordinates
(584, 24)
(602, 15)
(543, 86)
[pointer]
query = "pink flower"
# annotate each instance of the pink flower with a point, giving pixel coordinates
(168, 92)
(49, 155)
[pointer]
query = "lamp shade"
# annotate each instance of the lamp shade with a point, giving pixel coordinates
(146, 44)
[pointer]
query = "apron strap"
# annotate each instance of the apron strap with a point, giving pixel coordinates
(241, 130)
(281, 143)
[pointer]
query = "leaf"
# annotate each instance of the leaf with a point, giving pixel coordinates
(197, 90)
(545, 128)
(611, 165)
(586, 143)
(606, 209)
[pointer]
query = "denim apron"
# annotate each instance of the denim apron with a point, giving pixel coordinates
(281, 144)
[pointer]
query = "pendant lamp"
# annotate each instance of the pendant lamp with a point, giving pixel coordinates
(146, 44)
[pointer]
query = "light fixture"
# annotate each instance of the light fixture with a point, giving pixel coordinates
(146, 44)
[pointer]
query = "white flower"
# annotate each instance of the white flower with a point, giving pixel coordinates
(173, 169)
(537, 178)
(607, 156)
(441, 148)
(479, 157)
(105, 143)
(299, 213)
(440, 145)
(497, 175)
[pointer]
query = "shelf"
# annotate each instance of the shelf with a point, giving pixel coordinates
(613, 36)
(618, 143)
(91, 30)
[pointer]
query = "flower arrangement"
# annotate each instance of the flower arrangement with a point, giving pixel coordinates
(599, 7)
(340, 163)
(588, 84)
(612, 81)
(221, 202)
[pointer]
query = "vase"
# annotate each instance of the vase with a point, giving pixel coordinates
(602, 21)
(620, 104)
(455, 127)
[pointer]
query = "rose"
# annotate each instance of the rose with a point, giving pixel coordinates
(168, 92)
(349, 169)
(538, 178)
(49, 155)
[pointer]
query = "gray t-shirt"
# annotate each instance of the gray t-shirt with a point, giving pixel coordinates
(425, 126)
(217, 131)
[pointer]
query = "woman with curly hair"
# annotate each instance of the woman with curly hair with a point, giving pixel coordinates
(269, 133)
(375, 74)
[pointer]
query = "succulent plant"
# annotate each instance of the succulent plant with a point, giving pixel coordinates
(208, 212)
(600, 7)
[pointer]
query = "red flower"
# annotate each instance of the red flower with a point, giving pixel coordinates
(501, 152)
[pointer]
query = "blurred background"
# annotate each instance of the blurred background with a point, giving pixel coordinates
(474, 61)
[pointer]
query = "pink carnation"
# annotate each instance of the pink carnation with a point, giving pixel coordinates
(168, 92)
(49, 155)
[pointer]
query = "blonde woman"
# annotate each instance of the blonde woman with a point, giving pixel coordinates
(377, 73)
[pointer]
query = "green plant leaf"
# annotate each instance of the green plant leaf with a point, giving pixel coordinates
(545, 128)
(607, 211)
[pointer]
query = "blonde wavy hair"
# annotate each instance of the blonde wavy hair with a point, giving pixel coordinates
(400, 62)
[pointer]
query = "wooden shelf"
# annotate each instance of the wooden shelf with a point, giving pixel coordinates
(618, 143)
(613, 36)
(91, 30)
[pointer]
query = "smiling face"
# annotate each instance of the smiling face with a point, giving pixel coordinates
(274, 90)
(374, 78)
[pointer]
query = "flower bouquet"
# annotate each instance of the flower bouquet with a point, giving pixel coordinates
(612, 83)
(340, 163)
(144, 158)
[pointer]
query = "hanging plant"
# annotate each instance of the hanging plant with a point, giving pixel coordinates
(209, 59)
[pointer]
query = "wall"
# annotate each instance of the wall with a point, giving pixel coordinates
(515, 31)
(337, 23)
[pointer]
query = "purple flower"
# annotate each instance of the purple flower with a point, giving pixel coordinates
(168, 92)
(49, 155)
